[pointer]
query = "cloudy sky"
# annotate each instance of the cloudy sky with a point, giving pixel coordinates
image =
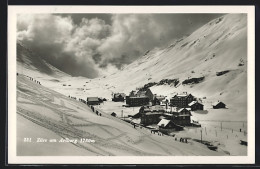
(91, 45)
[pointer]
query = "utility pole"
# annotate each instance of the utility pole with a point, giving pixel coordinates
(221, 125)
(201, 135)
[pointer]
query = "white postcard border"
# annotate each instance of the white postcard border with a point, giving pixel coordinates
(14, 159)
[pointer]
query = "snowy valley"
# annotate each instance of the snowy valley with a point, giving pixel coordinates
(210, 63)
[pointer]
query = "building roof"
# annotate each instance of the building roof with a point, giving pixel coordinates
(92, 99)
(163, 122)
(119, 94)
(180, 110)
(168, 114)
(154, 108)
(160, 98)
(138, 97)
(181, 115)
(216, 103)
(185, 95)
(137, 121)
(194, 102)
(153, 113)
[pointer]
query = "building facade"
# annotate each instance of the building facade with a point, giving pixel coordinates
(168, 126)
(93, 101)
(182, 100)
(137, 101)
(119, 97)
(218, 105)
(195, 105)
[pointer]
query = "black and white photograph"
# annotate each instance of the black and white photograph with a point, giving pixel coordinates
(124, 83)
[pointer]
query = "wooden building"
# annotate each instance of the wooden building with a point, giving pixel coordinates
(195, 105)
(93, 101)
(218, 105)
(113, 114)
(181, 117)
(137, 101)
(151, 114)
(150, 118)
(119, 97)
(182, 100)
(168, 126)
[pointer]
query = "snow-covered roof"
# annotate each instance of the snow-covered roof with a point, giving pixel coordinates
(137, 121)
(153, 113)
(182, 95)
(163, 122)
(159, 97)
(119, 94)
(181, 109)
(192, 103)
(138, 97)
(92, 99)
(216, 103)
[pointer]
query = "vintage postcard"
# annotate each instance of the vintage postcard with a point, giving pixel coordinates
(131, 85)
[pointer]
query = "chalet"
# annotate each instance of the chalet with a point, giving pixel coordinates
(93, 101)
(182, 100)
(151, 114)
(218, 105)
(181, 117)
(151, 118)
(113, 114)
(137, 101)
(195, 105)
(168, 125)
(100, 100)
(119, 97)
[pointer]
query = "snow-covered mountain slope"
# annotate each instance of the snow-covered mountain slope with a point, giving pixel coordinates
(220, 45)
(45, 114)
(215, 54)
(30, 63)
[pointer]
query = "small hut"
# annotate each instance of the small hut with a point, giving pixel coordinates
(113, 114)
(195, 105)
(168, 125)
(218, 105)
(93, 101)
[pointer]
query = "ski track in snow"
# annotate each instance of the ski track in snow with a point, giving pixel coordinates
(65, 126)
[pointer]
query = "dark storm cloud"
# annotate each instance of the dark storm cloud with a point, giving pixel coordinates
(90, 44)
(77, 18)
